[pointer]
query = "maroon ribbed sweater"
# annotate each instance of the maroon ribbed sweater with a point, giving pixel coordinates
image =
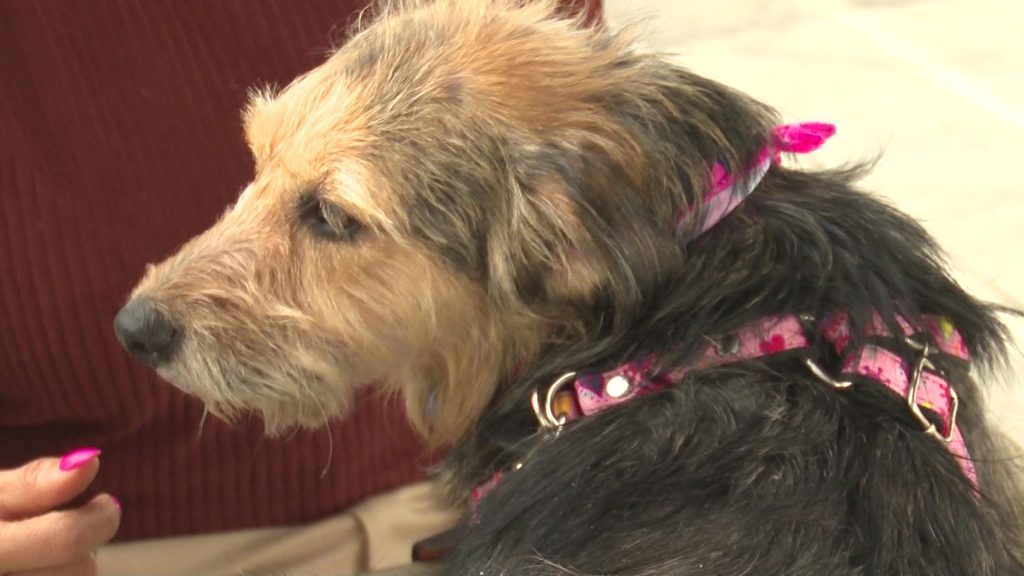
(119, 139)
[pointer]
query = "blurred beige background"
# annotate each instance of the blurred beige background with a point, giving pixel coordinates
(937, 86)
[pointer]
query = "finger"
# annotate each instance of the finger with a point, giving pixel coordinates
(58, 538)
(87, 567)
(46, 483)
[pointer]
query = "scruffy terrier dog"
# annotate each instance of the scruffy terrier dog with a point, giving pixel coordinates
(654, 348)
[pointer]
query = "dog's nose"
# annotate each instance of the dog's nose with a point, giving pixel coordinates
(145, 331)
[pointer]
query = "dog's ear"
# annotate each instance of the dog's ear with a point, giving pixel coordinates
(540, 251)
(579, 228)
(592, 212)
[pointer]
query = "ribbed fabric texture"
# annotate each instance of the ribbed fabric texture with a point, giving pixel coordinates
(119, 139)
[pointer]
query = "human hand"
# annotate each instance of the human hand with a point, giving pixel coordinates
(38, 540)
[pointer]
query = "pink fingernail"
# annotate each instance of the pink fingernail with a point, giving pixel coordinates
(117, 503)
(78, 458)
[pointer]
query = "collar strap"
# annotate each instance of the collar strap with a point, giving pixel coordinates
(919, 381)
(726, 193)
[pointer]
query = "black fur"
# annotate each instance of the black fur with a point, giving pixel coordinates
(750, 469)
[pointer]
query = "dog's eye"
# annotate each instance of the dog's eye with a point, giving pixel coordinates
(327, 220)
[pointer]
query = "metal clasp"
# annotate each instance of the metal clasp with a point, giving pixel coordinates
(546, 414)
(808, 320)
(821, 375)
(915, 383)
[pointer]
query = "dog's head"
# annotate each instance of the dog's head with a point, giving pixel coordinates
(458, 186)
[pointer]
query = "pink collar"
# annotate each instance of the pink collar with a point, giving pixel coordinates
(726, 193)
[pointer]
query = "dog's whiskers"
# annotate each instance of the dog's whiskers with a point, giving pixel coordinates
(328, 432)
(202, 422)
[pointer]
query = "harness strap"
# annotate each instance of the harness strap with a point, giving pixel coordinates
(919, 382)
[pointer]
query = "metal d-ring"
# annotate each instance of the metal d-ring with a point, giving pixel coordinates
(546, 415)
(821, 375)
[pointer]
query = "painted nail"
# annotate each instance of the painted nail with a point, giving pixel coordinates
(78, 458)
(117, 503)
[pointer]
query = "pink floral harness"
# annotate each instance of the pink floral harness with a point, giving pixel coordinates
(917, 380)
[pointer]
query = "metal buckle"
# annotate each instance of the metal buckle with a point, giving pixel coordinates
(915, 383)
(546, 415)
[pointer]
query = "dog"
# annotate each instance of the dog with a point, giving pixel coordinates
(652, 346)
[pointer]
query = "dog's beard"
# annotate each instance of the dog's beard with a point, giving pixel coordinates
(301, 387)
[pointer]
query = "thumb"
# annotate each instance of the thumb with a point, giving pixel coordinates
(46, 483)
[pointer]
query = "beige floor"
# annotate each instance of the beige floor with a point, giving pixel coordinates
(936, 85)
